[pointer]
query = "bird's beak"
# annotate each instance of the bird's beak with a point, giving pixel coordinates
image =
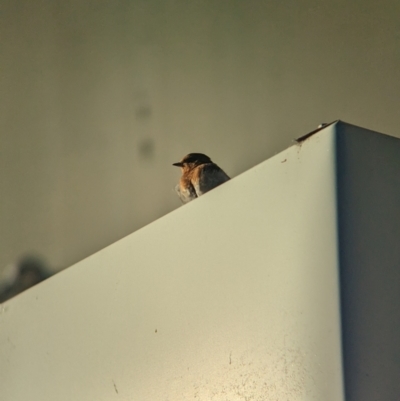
(179, 164)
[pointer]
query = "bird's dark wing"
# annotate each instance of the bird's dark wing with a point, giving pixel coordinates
(208, 177)
(187, 194)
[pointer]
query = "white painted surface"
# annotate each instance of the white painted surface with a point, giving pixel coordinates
(231, 297)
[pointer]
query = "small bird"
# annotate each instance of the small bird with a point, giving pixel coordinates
(199, 175)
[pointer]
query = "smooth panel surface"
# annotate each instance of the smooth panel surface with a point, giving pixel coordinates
(369, 210)
(232, 297)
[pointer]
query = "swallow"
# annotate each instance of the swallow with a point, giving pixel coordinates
(199, 175)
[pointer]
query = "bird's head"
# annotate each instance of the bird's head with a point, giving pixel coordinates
(192, 160)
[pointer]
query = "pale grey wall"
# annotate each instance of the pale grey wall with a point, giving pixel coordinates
(98, 98)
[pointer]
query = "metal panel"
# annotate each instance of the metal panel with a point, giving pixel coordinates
(234, 296)
(369, 220)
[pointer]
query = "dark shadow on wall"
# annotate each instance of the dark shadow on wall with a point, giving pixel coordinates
(28, 271)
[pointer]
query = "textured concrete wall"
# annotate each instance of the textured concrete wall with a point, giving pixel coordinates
(98, 98)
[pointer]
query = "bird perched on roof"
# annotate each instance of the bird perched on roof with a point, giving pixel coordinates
(199, 175)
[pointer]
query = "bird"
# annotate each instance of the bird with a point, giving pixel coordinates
(199, 175)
